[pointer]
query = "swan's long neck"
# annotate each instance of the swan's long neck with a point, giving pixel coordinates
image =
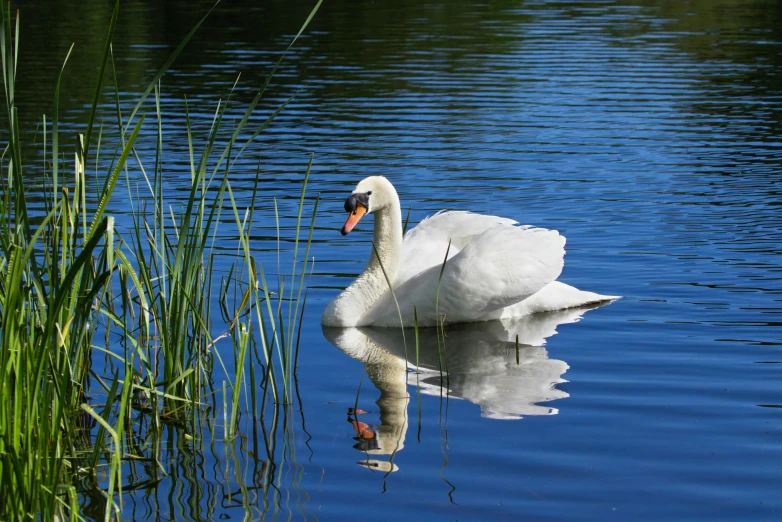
(349, 306)
(388, 245)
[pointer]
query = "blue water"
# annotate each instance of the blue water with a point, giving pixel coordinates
(647, 133)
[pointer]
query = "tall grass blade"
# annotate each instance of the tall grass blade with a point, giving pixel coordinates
(99, 83)
(393, 295)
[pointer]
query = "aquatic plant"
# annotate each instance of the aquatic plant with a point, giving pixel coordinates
(107, 332)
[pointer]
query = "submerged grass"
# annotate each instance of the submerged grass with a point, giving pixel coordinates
(74, 287)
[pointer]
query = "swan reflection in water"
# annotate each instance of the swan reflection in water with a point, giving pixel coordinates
(482, 368)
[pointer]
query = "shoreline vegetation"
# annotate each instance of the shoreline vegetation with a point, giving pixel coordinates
(108, 333)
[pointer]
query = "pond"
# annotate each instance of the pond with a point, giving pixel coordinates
(647, 133)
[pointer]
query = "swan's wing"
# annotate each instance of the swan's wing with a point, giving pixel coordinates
(454, 224)
(499, 267)
(425, 245)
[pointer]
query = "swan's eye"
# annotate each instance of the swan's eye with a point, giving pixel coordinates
(369, 193)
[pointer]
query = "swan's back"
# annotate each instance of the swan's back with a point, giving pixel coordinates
(492, 264)
(425, 245)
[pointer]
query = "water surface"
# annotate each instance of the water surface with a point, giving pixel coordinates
(645, 132)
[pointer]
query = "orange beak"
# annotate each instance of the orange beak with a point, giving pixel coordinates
(353, 218)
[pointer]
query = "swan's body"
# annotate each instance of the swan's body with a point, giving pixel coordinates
(495, 268)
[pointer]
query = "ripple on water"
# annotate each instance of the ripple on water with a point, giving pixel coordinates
(647, 133)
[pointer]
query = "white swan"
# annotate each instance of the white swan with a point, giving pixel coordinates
(496, 269)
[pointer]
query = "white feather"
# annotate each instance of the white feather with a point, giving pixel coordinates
(495, 269)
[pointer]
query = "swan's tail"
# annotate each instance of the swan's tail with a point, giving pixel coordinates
(555, 296)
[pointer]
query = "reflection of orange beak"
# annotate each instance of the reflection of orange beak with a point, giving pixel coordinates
(353, 218)
(362, 430)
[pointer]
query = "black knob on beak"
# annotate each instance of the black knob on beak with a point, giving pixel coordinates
(351, 204)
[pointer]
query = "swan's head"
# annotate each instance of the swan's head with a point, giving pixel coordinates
(370, 195)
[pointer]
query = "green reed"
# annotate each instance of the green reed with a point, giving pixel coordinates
(75, 287)
(396, 303)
